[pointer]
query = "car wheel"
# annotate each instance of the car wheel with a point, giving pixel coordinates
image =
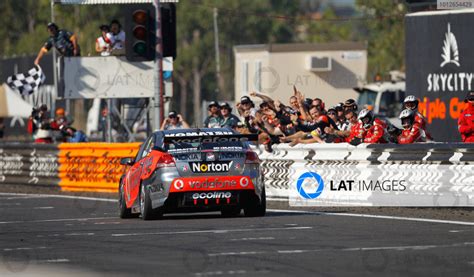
(146, 209)
(257, 208)
(124, 212)
(230, 211)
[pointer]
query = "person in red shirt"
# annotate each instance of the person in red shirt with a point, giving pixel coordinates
(466, 120)
(411, 102)
(355, 134)
(412, 131)
(376, 128)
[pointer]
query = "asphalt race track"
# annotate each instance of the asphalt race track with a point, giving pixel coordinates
(42, 235)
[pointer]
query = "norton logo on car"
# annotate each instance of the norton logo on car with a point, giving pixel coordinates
(211, 167)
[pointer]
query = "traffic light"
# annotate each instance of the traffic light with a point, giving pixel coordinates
(140, 33)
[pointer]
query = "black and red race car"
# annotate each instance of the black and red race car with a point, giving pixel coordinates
(193, 170)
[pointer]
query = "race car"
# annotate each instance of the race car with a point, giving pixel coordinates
(193, 170)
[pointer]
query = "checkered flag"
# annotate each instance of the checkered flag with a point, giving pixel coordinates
(27, 83)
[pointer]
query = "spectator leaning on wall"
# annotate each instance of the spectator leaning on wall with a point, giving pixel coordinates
(466, 120)
(412, 131)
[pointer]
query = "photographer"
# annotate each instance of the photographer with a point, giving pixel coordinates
(72, 135)
(39, 125)
(174, 121)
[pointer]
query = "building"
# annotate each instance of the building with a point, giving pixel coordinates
(329, 71)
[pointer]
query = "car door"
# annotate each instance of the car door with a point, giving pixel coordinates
(134, 173)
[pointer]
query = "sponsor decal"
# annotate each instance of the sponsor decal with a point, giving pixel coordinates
(178, 184)
(200, 134)
(209, 167)
(452, 82)
(210, 157)
(212, 195)
(212, 183)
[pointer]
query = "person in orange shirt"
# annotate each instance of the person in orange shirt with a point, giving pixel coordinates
(466, 120)
(412, 131)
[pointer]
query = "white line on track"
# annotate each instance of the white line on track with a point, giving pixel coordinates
(352, 249)
(270, 210)
(25, 248)
(378, 216)
(252, 239)
(55, 220)
(43, 208)
(218, 231)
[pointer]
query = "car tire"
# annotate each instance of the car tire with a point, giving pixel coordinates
(124, 212)
(257, 208)
(230, 211)
(146, 210)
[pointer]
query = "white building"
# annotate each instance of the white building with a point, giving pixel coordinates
(329, 71)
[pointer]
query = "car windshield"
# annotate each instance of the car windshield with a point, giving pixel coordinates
(367, 98)
(191, 146)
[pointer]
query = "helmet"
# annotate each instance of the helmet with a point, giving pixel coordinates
(411, 99)
(407, 117)
(366, 117)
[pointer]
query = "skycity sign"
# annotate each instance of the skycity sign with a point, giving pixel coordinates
(440, 67)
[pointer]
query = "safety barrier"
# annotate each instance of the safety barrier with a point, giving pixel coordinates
(436, 173)
(93, 166)
(429, 167)
(29, 164)
(71, 166)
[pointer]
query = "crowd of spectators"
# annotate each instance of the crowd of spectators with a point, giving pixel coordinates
(44, 129)
(305, 120)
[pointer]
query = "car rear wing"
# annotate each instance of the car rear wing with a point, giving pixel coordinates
(207, 138)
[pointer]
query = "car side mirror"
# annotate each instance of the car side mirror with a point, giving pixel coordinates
(127, 161)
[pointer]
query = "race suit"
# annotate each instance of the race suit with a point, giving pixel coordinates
(377, 132)
(414, 134)
(466, 124)
(421, 121)
(356, 132)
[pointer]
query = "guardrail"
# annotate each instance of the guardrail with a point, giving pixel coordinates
(437, 173)
(95, 166)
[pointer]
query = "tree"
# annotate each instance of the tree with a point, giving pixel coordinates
(385, 34)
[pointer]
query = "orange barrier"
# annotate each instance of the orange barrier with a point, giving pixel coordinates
(93, 166)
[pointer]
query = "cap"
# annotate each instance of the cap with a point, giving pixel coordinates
(245, 99)
(172, 114)
(43, 107)
(213, 103)
(264, 104)
(349, 102)
(225, 105)
(52, 25)
(332, 109)
(469, 96)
